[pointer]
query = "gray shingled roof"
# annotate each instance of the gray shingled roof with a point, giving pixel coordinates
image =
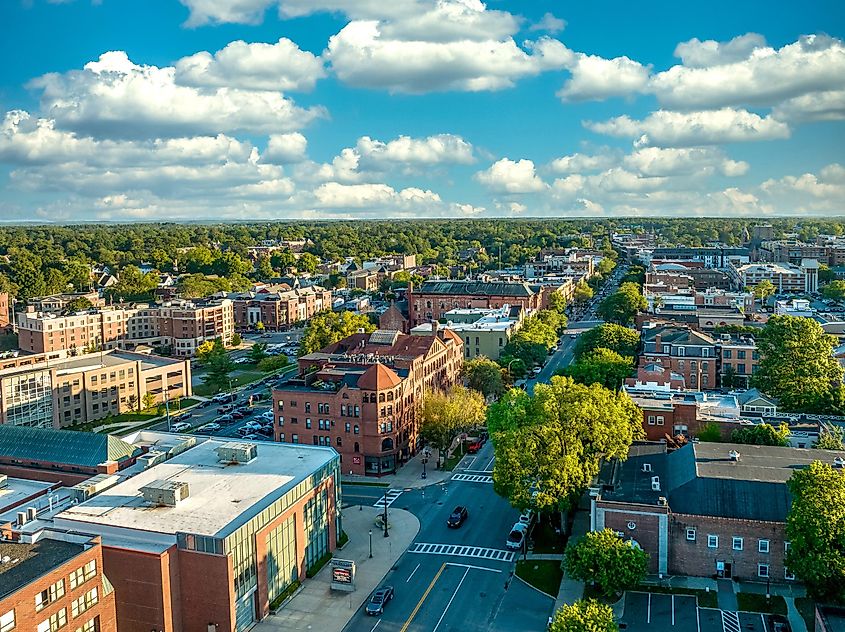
(83, 449)
(479, 288)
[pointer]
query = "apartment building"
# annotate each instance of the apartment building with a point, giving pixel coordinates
(432, 299)
(45, 391)
(706, 509)
(830, 251)
(216, 533)
(485, 332)
(689, 353)
(738, 356)
(786, 277)
(60, 302)
(571, 262)
(279, 310)
(180, 326)
(52, 580)
(361, 395)
(709, 256)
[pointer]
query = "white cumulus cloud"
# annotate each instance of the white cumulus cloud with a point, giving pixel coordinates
(438, 149)
(285, 148)
(597, 78)
(509, 176)
(701, 54)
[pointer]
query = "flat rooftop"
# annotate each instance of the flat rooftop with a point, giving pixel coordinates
(17, 490)
(756, 463)
(221, 498)
(93, 362)
(28, 562)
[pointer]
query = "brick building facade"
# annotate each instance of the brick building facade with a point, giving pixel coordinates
(432, 299)
(278, 311)
(361, 396)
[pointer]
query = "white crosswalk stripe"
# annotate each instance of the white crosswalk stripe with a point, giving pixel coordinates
(472, 478)
(730, 621)
(392, 495)
(497, 555)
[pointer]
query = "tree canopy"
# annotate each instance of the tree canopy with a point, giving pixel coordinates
(485, 376)
(797, 364)
(834, 290)
(610, 336)
(600, 366)
(585, 615)
(583, 292)
(815, 528)
(621, 306)
(605, 558)
(445, 414)
(762, 434)
(328, 327)
(548, 446)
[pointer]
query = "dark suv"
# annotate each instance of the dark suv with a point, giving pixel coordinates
(459, 514)
(379, 599)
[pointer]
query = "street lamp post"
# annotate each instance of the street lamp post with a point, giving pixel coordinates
(371, 542)
(386, 534)
(424, 461)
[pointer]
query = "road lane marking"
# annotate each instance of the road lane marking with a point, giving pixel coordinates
(730, 621)
(458, 550)
(451, 599)
(648, 612)
(422, 599)
(478, 568)
(673, 610)
(489, 464)
(412, 574)
(472, 478)
(392, 495)
(375, 626)
(469, 464)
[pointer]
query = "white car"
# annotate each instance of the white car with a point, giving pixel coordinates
(517, 536)
(536, 370)
(181, 426)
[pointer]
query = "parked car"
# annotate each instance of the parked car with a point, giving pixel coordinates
(251, 437)
(211, 426)
(527, 517)
(536, 370)
(181, 426)
(225, 408)
(475, 446)
(516, 537)
(252, 424)
(225, 419)
(456, 519)
(378, 600)
(573, 336)
(236, 414)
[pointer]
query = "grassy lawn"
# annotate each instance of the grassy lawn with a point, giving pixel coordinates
(8, 342)
(544, 575)
(123, 418)
(239, 378)
(546, 540)
(753, 602)
(705, 599)
(452, 461)
(807, 610)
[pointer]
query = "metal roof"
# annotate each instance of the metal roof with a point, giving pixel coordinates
(475, 288)
(67, 447)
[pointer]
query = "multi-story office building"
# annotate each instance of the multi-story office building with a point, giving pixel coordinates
(278, 311)
(361, 395)
(211, 537)
(181, 326)
(52, 580)
(485, 332)
(432, 299)
(786, 277)
(709, 256)
(46, 391)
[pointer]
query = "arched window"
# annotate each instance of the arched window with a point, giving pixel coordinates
(381, 397)
(357, 430)
(386, 444)
(357, 447)
(390, 396)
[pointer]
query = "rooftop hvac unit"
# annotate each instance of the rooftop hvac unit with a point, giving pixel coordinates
(93, 486)
(31, 513)
(655, 483)
(237, 452)
(166, 493)
(153, 457)
(646, 467)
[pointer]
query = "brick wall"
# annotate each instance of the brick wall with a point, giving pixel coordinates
(207, 595)
(646, 526)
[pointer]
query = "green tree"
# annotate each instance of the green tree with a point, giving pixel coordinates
(444, 414)
(263, 268)
(605, 558)
(548, 446)
(557, 302)
(797, 364)
(583, 292)
(148, 401)
(826, 275)
(728, 377)
(259, 326)
(308, 263)
(835, 290)
(621, 306)
(282, 260)
(257, 352)
(231, 263)
(620, 339)
(815, 528)
(762, 434)
(236, 340)
(207, 349)
(585, 615)
(485, 376)
(218, 368)
(711, 432)
(606, 266)
(132, 402)
(79, 304)
(328, 327)
(515, 368)
(273, 363)
(600, 366)
(763, 290)
(831, 438)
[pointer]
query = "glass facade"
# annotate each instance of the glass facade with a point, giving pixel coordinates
(316, 528)
(29, 399)
(282, 568)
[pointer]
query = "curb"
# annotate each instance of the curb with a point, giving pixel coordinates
(545, 594)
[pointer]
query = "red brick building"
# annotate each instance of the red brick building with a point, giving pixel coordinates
(360, 395)
(279, 311)
(684, 351)
(432, 299)
(5, 312)
(706, 509)
(51, 580)
(209, 538)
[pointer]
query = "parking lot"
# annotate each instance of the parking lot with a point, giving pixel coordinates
(648, 612)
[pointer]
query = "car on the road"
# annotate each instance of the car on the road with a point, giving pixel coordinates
(458, 516)
(516, 537)
(475, 446)
(266, 335)
(378, 600)
(537, 370)
(181, 426)
(225, 408)
(573, 336)
(241, 361)
(210, 426)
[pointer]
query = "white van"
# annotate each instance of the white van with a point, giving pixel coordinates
(517, 536)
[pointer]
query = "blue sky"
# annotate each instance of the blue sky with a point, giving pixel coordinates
(116, 110)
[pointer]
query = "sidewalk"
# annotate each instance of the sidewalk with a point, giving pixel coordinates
(572, 590)
(409, 475)
(316, 606)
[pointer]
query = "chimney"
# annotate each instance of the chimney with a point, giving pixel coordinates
(434, 325)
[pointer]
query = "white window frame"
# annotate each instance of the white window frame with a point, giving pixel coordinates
(712, 541)
(760, 570)
(7, 621)
(737, 543)
(763, 546)
(660, 420)
(690, 534)
(788, 575)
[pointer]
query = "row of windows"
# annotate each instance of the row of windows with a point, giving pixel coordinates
(83, 574)
(737, 542)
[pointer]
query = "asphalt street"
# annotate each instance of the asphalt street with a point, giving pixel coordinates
(454, 579)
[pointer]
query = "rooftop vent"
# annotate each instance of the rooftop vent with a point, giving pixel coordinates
(655, 483)
(839, 462)
(166, 493)
(734, 455)
(646, 467)
(662, 501)
(237, 452)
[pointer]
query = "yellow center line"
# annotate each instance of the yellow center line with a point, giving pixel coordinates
(422, 599)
